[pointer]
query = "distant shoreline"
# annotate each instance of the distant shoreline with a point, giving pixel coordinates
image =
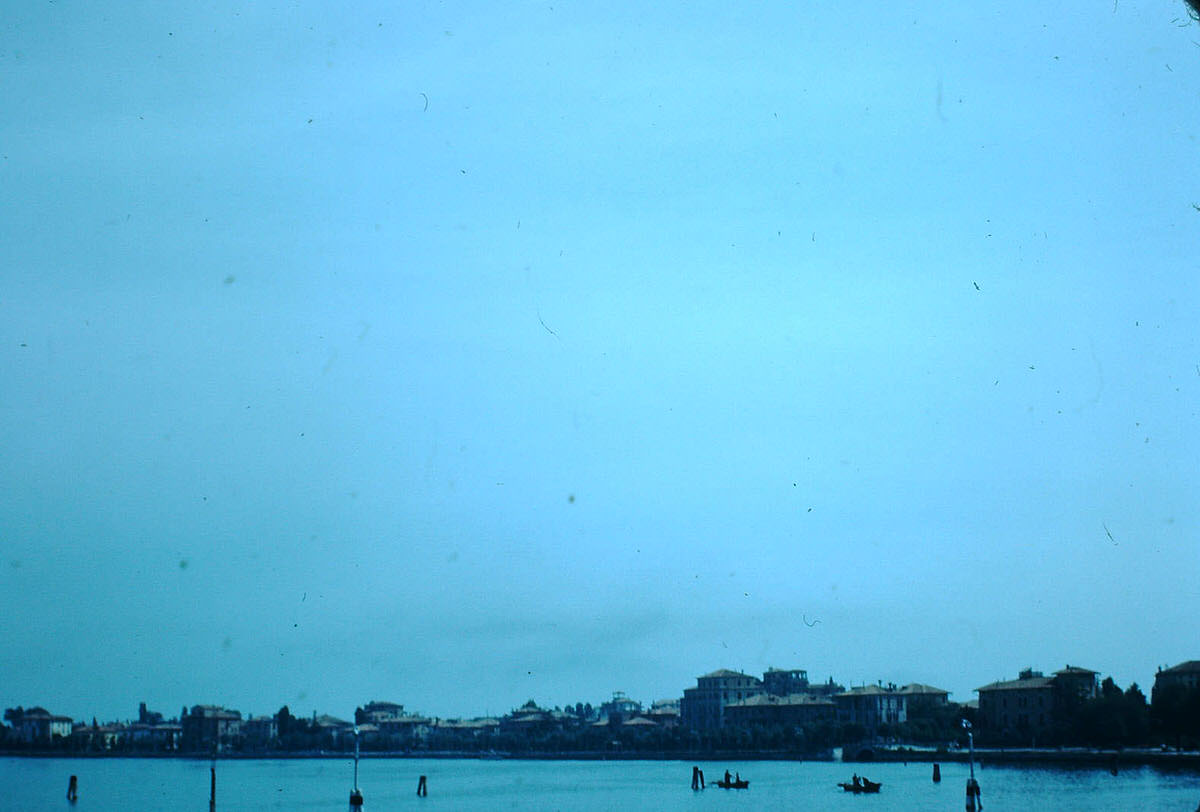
(1065, 757)
(1057, 757)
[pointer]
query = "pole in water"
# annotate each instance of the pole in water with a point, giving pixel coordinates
(937, 773)
(213, 780)
(974, 800)
(73, 789)
(422, 787)
(356, 798)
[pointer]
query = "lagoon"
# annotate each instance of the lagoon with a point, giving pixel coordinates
(150, 785)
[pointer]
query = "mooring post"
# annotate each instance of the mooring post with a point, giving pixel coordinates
(356, 798)
(974, 798)
(422, 787)
(72, 789)
(212, 782)
(695, 777)
(937, 773)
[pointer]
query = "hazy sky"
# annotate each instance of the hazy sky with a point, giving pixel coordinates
(458, 354)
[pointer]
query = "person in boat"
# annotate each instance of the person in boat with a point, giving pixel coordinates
(727, 776)
(856, 781)
(737, 778)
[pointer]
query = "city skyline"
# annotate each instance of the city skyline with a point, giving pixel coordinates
(817, 684)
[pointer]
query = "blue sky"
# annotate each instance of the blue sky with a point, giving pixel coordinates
(457, 355)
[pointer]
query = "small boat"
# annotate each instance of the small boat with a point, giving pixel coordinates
(865, 786)
(740, 783)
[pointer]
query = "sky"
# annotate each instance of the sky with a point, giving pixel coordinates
(457, 354)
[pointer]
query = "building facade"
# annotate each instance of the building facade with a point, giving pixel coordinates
(923, 700)
(39, 726)
(703, 707)
(871, 706)
(782, 682)
(793, 710)
(208, 727)
(1184, 676)
(1031, 705)
(375, 712)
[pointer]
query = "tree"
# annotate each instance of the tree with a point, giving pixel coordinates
(283, 721)
(1137, 715)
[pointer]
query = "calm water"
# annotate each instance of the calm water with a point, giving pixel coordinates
(37, 785)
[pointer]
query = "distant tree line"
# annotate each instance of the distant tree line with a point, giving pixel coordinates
(1116, 718)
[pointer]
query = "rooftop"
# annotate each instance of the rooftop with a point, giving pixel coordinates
(919, 689)
(1189, 667)
(1019, 684)
(759, 700)
(1074, 669)
(725, 672)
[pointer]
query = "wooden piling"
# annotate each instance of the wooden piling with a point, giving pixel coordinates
(974, 797)
(73, 789)
(937, 773)
(422, 787)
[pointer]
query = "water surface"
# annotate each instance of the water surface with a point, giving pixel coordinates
(149, 785)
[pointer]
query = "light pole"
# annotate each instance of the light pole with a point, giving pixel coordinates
(356, 798)
(974, 800)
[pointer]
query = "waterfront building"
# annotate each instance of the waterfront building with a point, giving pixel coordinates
(782, 682)
(664, 712)
(206, 727)
(529, 718)
(703, 707)
(376, 712)
(108, 736)
(39, 726)
(468, 727)
(1075, 684)
(1185, 675)
(260, 731)
(923, 700)
(333, 730)
(1031, 705)
(828, 688)
(871, 706)
(619, 708)
(794, 710)
(405, 729)
(149, 717)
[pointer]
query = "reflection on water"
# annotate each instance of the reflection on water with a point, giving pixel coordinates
(149, 785)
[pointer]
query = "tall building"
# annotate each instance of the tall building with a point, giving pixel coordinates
(1029, 706)
(38, 725)
(794, 710)
(703, 707)
(208, 727)
(1185, 675)
(778, 682)
(375, 712)
(871, 706)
